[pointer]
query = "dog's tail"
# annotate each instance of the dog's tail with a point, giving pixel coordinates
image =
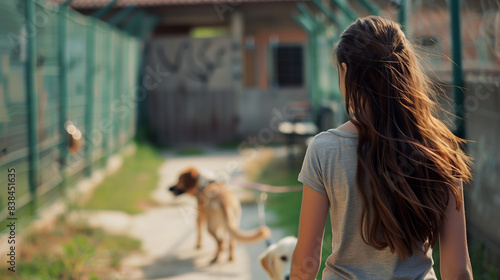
(261, 233)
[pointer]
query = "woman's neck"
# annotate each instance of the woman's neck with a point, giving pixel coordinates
(348, 127)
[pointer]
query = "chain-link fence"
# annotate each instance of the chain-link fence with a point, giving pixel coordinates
(429, 26)
(66, 88)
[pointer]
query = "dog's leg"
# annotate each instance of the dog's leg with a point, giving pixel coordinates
(232, 242)
(220, 247)
(200, 223)
(220, 244)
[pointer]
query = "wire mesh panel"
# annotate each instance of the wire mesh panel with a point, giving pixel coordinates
(77, 85)
(47, 87)
(130, 76)
(480, 41)
(113, 90)
(125, 102)
(136, 92)
(13, 103)
(480, 24)
(97, 135)
(73, 97)
(120, 110)
(327, 83)
(107, 51)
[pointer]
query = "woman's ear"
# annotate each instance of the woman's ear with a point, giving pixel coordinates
(342, 71)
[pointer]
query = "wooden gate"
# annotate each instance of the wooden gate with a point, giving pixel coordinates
(195, 102)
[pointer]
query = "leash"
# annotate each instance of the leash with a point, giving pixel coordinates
(266, 188)
(261, 205)
(262, 198)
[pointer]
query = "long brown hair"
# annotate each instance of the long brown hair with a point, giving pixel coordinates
(408, 161)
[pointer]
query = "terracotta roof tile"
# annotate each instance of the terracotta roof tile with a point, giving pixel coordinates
(92, 4)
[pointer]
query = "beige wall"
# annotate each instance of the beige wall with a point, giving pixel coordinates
(261, 23)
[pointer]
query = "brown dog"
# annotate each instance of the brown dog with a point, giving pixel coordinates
(219, 208)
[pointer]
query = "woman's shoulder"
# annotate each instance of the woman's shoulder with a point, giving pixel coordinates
(342, 133)
(331, 137)
(346, 130)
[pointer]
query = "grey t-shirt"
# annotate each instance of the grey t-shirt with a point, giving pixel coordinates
(330, 168)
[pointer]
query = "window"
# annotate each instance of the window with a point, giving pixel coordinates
(287, 70)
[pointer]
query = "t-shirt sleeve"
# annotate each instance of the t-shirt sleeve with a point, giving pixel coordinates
(310, 174)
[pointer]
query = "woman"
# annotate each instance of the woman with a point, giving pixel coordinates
(392, 175)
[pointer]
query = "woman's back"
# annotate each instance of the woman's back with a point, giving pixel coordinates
(396, 189)
(330, 168)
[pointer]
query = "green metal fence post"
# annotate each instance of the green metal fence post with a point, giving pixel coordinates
(316, 94)
(63, 89)
(151, 23)
(308, 28)
(120, 96)
(89, 77)
(458, 79)
(108, 126)
(328, 13)
(308, 23)
(125, 96)
(370, 6)
(351, 15)
(403, 14)
(120, 16)
(307, 19)
(104, 10)
(89, 112)
(133, 24)
(114, 93)
(306, 12)
(32, 98)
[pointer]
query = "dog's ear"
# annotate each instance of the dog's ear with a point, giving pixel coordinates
(188, 179)
(193, 172)
(267, 261)
(191, 177)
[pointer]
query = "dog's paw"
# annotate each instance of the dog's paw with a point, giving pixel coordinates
(214, 260)
(198, 246)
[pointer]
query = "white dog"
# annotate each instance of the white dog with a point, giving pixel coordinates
(276, 259)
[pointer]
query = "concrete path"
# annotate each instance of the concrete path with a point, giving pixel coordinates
(168, 232)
